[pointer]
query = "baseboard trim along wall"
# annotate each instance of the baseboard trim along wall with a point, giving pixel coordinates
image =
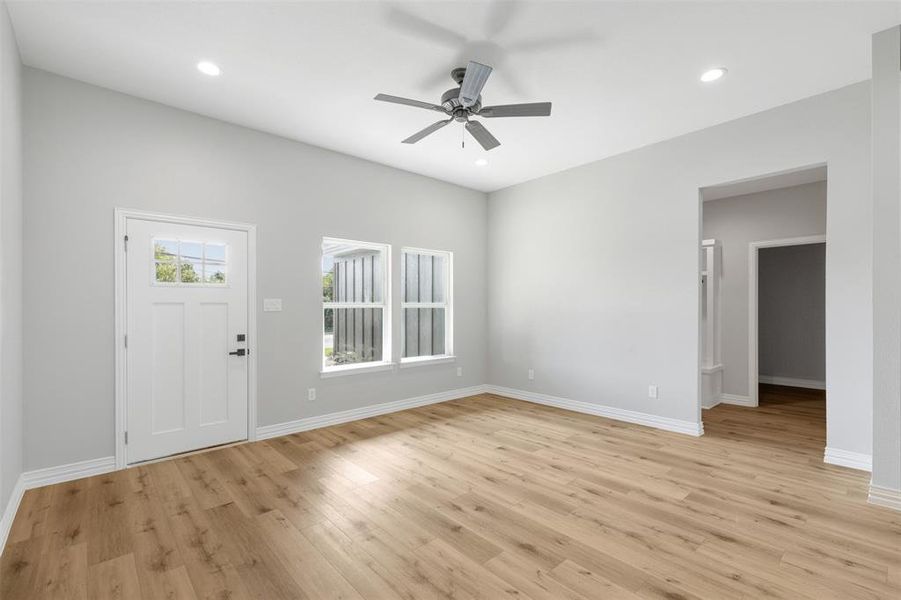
(63, 473)
(9, 513)
(811, 384)
(618, 414)
(270, 431)
(887, 497)
(846, 458)
(736, 400)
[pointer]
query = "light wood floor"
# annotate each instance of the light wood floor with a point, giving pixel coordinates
(480, 498)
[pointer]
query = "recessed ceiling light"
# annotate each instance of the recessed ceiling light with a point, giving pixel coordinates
(208, 68)
(481, 162)
(713, 74)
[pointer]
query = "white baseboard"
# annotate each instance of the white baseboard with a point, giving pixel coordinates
(618, 414)
(9, 513)
(882, 496)
(811, 384)
(736, 400)
(63, 473)
(270, 431)
(846, 458)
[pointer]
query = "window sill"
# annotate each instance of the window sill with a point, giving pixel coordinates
(426, 360)
(356, 369)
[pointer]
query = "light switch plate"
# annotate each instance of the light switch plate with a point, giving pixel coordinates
(652, 391)
(272, 304)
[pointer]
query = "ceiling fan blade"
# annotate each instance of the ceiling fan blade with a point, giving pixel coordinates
(473, 82)
(409, 102)
(482, 135)
(534, 109)
(426, 132)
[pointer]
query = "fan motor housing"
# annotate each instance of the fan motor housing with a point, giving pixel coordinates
(450, 100)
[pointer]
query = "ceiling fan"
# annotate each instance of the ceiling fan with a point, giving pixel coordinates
(463, 102)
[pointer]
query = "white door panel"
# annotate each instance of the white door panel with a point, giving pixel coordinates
(186, 308)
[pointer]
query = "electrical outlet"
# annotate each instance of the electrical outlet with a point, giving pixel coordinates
(652, 391)
(311, 394)
(459, 371)
(531, 374)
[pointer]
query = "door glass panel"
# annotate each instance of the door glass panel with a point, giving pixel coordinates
(177, 261)
(165, 256)
(214, 263)
(190, 261)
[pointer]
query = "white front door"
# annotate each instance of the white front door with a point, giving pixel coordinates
(186, 364)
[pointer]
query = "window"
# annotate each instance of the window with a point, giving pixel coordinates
(355, 305)
(426, 320)
(184, 262)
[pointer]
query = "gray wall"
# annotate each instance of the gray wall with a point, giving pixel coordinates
(594, 271)
(791, 312)
(88, 150)
(738, 221)
(10, 261)
(887, 258)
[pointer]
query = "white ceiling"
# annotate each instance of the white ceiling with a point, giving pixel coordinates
(620, 74)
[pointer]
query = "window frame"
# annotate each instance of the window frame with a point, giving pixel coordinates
(386, 363)
(447, 305)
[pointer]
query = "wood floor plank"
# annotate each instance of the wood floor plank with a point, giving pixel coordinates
(483, 497)
(63, 574)
(206, 562)
(109, 531)
(31, 520)
(114, 579)
(19, 569)
(255, 559)
(309, 568)
(365, 574)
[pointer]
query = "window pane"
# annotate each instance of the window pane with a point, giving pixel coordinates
(351, 336)
(214, 263)
(190, 261)
(425, 278)
(214, 253)
(165, 250)
(214, 274)
(424, 332)
(165, 272)
(190, 270)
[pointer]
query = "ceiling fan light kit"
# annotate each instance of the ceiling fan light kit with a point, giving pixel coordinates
(465, 101)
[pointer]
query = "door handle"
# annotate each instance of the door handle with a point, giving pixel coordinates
(238, 352)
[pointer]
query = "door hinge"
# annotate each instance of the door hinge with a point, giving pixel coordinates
(126, 437)
(126, 340)
(126, 243)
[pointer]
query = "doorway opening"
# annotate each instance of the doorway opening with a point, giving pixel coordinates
(762, 297)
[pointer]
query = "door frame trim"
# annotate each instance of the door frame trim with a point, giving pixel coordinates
(753, 329)
(121, 406)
